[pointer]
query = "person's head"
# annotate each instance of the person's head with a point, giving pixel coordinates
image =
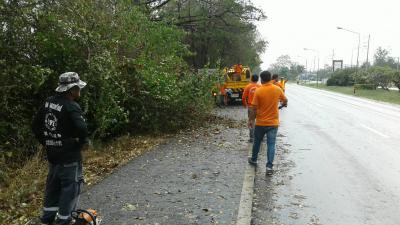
(282, 78)
(275, 77)
(70, 85)
(73, 93)
(254, 78)
(265, 76)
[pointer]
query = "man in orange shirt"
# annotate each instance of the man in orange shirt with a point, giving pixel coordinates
(275, 80)
(265, 114)
(247, 98)
(283, 83)
(224, 95)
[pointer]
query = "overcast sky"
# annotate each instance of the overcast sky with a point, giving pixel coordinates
(293, 25)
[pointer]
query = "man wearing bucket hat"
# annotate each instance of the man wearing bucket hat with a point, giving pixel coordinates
(61, 129)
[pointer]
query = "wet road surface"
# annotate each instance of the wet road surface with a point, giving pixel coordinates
(338, 163)
(193, 178)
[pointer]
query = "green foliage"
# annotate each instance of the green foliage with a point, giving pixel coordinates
(396, 79)
(365, 86)
(382, 58)
(343, 77)
(285, 67)
(371, 78)
(378, 94)
(381, 76)
(138, 79)
(219, 33)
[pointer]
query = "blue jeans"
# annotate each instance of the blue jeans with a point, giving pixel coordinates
(251, 130)
(63, 186)
(259, 133)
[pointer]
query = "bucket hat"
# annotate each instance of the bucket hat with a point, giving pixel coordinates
(68, 80)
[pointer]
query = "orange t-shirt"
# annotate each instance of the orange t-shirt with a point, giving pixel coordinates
(283, 84)
(248, 93)
(266, 101)
(277, 83)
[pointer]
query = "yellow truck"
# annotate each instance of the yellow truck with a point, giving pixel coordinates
(235, 80)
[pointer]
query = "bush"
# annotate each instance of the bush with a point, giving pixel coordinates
(137, 78)
(343, 77)
(381, 76)
(396, 79)
(365, 86)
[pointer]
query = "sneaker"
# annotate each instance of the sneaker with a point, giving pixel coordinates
(252, 162)
(269, 171)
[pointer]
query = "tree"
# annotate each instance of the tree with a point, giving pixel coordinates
(396, 79)
(381, 76)
(382, 58)
(342, 77)
(138, 79)
(285, 67)
(220, 33)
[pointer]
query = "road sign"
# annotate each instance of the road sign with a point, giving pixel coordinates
(337, 64)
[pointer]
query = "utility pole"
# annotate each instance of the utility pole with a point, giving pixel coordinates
(351, 61)
(314, 65)
(317, 71)
(358, 51)
(359, 40)
(369, 37)
(316, 51)
(306, 71)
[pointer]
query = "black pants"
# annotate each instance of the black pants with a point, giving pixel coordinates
(63, 186)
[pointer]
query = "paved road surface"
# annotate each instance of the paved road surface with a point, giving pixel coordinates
(340, 163)
(194, 178)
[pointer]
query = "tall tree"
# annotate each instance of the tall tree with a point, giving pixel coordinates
(285, 67)
(219, 33)
(382, 58)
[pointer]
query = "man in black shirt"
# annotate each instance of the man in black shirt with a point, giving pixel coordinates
(61, 129)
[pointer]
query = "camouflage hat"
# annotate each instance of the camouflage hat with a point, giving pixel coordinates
(68, 80)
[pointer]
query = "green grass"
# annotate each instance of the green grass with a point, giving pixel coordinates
(379, 94)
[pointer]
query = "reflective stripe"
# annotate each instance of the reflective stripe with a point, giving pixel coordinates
(51, 209)
(63, 217)
(70, 164)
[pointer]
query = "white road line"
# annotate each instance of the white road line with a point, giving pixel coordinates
(246, 198)
(375, 131)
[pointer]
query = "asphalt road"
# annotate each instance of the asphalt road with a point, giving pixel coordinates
(339, 163)
(193, 178)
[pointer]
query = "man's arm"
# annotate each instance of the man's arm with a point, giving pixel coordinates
(252, 116)
(79, 125)
(253, 112)
(283, 99)
(245, 95)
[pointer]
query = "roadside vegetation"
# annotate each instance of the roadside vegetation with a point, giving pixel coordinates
(370, 81)
(287, 68)
(390, 96)
(140, 60)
